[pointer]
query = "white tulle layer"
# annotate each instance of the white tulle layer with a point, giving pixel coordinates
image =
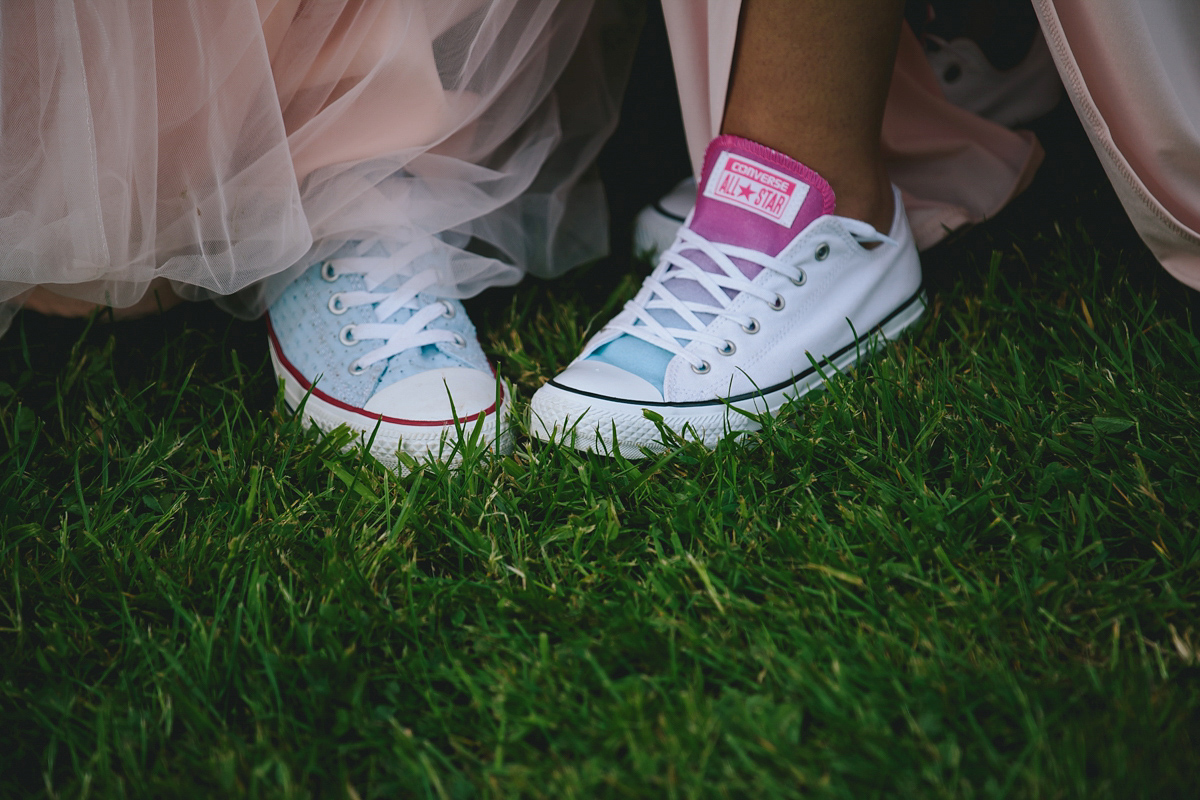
(222, 144)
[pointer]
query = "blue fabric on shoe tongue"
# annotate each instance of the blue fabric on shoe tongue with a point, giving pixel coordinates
(648, 361)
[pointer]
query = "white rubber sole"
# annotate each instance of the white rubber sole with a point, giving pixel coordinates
(593, 423)
(440, 441)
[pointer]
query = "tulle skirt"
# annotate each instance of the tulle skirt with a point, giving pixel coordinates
(217, 147)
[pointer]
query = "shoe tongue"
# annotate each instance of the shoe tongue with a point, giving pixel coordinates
(752, 196)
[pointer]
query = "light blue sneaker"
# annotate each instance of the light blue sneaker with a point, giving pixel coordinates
(371, 348)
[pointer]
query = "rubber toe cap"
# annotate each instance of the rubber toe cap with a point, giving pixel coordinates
(437, 396)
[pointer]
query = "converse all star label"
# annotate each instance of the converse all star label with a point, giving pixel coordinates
(747, 184)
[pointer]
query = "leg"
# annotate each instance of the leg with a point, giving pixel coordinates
(839, 58)
(796, 259)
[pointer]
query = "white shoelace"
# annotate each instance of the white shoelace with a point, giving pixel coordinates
(721, 287)
(377, 270)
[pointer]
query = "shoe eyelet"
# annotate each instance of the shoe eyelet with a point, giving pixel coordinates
(356, 368)
(703, 369)
(346, 336)
(336, 306)
(449, 312)
(753, 327)
(778, 304)
(729, 349)
(822, 252)
(952, 73)
(328, 272)
(460, 340)
(800, 279)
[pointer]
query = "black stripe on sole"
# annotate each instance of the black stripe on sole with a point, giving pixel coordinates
(916, 297)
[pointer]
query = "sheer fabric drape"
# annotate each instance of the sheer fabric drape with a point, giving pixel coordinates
(220, 145)
(1132, 71)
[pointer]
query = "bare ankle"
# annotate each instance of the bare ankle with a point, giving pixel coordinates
(876, 206)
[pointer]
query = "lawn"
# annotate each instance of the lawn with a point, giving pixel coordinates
(970, 568)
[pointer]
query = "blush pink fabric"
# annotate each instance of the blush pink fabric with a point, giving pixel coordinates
(953, 167)
(211, 148)
(1132, 70)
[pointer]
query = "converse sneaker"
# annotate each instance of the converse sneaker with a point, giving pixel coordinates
(1010, 97)
(363, 346)
(763, 292)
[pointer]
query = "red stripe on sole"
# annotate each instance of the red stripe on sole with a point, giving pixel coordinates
(333, 401)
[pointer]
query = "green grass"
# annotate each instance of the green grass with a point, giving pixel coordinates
(968, 569)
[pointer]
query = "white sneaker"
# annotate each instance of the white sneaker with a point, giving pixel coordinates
(763, 293)
(1010, 97)
(358, 343)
